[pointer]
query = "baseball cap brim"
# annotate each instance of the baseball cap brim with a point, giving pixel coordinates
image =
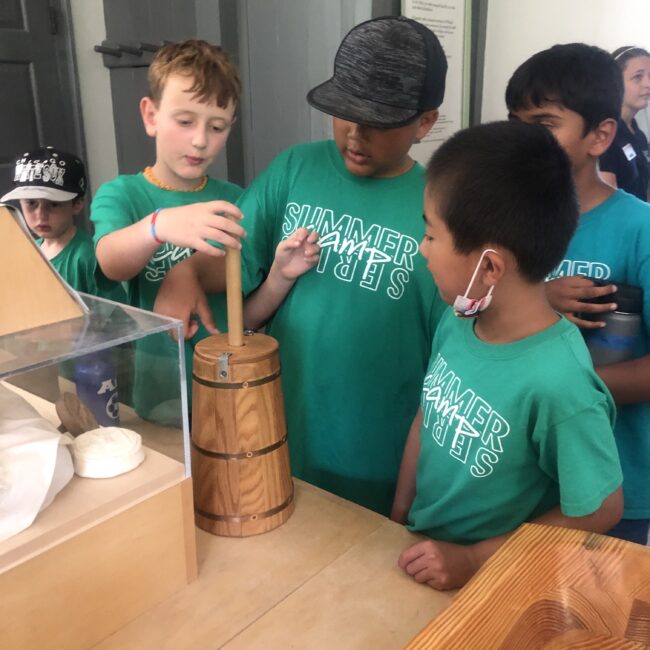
(38, 192)
(330, 98)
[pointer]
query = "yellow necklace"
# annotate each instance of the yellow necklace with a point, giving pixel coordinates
(149, 175)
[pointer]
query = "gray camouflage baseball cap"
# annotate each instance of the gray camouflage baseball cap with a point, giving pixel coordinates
(386, 72)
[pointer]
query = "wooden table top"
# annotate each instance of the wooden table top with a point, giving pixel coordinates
(551, 587)
(328, 578)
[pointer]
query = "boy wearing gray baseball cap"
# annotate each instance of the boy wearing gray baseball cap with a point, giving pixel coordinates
(355, 329)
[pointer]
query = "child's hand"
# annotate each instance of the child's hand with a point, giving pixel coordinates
(567, 293)
(181, 296)
(190, 226)
(297, 254)
(294, 256)
(441, 565)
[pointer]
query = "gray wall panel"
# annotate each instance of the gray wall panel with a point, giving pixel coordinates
(286, 47)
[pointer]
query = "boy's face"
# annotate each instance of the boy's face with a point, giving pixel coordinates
(189, 134)
(50, 219)
(637, 83)
(450, 269)
(379, 153)
(566, 125)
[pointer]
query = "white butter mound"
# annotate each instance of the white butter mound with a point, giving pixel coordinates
(106, 452)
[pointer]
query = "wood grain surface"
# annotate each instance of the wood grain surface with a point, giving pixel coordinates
(240, 459)
(326, 580)
(234, 297)
(76, 593)
(550, 587)
(31, 292)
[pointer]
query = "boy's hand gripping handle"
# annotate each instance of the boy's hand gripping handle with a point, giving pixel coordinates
(234, 297)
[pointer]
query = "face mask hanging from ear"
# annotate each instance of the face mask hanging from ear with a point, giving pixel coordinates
(465, 307)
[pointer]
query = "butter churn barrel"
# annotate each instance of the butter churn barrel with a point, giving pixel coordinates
(240, 458)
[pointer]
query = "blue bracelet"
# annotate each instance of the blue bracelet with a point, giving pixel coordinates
(152, 226)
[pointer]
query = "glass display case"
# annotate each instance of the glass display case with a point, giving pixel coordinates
(119, 539)
(114, 366)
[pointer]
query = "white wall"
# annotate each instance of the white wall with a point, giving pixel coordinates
(516, 29)
(95, 92)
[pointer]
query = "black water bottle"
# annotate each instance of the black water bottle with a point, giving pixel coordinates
(617, 341)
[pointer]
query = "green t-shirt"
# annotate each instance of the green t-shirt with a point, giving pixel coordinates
(77, 265)
(509, 432)
(354, 332)
(612, 243)
(120, 203)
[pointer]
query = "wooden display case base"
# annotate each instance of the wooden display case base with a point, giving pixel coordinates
(81, 591)
(104, 552)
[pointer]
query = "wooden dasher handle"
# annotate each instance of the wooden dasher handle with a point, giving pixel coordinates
(234, 297)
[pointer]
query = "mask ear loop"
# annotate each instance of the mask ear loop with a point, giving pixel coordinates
(478, 266)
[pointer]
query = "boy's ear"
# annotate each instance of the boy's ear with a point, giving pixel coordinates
(602, 137)
(494, 267)
(148, 111)
(425, 122)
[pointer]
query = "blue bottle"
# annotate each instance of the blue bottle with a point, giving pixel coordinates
(96, 382)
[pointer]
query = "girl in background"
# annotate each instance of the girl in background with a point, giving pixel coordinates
(626, 164)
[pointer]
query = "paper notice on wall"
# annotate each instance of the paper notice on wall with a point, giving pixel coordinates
(448, 20)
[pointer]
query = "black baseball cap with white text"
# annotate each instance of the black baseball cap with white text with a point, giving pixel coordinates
(48, 173)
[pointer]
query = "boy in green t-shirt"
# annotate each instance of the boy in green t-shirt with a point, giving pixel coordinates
(514, 423)
(350, 376)
(576, 91)
(50, 185)
(146, 223)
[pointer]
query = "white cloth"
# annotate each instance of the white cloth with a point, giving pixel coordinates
(34, 464)
(106, 452)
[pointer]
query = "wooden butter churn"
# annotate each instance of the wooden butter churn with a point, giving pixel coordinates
(240, 459)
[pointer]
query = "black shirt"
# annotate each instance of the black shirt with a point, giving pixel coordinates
(627, 158)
